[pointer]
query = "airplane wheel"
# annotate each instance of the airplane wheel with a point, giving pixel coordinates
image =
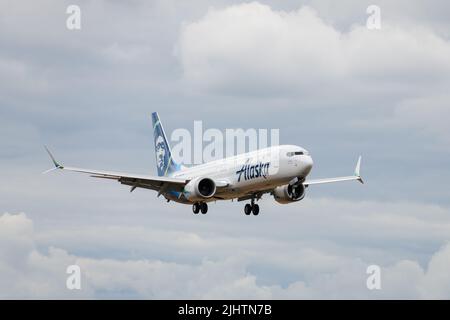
(196, 208)
(204, 207)
(255, 209)
(248, 209)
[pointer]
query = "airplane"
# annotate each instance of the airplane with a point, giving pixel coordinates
(280, 171)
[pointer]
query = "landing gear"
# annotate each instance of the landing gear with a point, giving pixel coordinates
(200, 207)
(196, 208)
(255, 209)
(251, 207)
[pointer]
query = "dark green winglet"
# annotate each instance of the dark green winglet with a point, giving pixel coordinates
(57, 165)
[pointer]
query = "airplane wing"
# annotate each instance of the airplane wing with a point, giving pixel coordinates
(355, 176)
(134, 180)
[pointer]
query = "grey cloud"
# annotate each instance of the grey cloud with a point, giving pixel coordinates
(428, 114)
(88, 95)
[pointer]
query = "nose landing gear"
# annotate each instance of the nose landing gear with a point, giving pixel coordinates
(200, 207)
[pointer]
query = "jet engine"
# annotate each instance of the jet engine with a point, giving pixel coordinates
(289, 193)
(199, 189)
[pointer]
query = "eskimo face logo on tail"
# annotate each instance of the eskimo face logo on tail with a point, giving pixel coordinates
(253, 171)
(160, 152)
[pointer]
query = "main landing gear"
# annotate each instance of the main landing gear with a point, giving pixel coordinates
(248, 209)
(200, 206)
(251, 207)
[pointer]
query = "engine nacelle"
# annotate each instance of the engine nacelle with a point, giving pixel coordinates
(199, 189)
(287, 193)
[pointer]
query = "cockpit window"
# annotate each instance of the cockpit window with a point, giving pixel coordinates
(296, 153)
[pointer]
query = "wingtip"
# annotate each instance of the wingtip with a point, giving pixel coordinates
(57, 165)
(358, 170)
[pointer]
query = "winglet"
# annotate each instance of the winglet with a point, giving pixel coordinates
(57, 165)
(357, 170)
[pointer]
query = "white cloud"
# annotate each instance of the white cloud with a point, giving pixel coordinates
(250, 48)
(24, 271)
(436, 282)
(221, 266)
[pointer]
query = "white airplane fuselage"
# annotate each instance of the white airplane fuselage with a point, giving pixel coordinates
(250, 172)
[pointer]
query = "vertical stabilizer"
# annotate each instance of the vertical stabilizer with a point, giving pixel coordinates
(164, 162)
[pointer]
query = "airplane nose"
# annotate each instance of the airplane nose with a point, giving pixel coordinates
(307, 164)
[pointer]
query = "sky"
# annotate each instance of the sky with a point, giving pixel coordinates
(311, 69)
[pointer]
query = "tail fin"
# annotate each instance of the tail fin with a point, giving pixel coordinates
(164, 161)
